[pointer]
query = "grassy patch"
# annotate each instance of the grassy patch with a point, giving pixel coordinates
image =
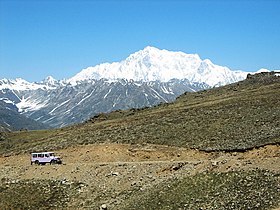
(35, 194)
(232, 190)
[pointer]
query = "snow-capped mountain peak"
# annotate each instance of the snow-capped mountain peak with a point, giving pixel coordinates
(49, 80)
(51, 83)
(17, 84)
(150, 50)
(20, 84)
(153, 64)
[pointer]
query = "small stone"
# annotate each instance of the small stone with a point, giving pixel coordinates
(224, 161)
(115, 174)
(214, 163)
(103, 207)
(133, 183)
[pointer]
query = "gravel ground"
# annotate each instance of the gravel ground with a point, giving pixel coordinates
(115, 175)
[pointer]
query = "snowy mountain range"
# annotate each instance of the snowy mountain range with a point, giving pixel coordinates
(152, 64)
(146, 78)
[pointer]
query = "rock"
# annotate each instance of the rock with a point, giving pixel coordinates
(214, 163)
(115, 174)
(63, 181)
(178, 166)
(224, 161)
(103, 207)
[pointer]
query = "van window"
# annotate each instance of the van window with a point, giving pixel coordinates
(41, 155)
(46, 155)
(34, 155)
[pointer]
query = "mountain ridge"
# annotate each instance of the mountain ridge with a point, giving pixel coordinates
(145, 78)
(94, 72)
(152, 64)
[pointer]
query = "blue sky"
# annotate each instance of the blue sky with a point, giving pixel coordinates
(60, 37)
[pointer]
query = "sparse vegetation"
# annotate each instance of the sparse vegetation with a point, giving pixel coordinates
(232, 118)
(232, 190)
(35, 194)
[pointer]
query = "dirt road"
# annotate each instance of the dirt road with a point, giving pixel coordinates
(109, 170)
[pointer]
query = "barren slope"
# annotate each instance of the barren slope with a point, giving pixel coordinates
(117, 174)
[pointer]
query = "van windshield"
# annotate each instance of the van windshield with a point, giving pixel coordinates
(51, 154)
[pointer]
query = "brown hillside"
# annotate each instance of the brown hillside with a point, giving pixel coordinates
(236, 117)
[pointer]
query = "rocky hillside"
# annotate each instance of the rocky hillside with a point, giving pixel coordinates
(235, 117)
(10, 119)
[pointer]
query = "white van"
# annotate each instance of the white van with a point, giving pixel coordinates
(44, 157)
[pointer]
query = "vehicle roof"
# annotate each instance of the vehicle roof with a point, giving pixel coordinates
(41, 152)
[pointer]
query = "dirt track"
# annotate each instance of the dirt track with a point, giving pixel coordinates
(108, 170)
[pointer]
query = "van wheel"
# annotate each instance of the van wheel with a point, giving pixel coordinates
(37, 162)
(52, 162)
